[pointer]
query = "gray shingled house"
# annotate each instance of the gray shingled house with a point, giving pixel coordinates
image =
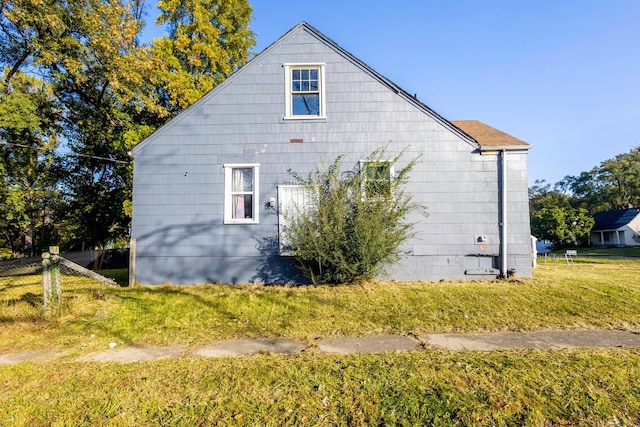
(210, 186)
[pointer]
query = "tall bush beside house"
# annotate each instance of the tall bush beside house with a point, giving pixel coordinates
(357, 223)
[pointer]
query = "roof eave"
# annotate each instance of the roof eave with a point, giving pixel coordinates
(604, 230)
(493, 148)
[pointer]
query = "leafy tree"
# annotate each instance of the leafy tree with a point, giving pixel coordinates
(28, 130)
(110, 90)
(541, 195)
(614, 184)
(87, 55)
(622, 177)
(355, 228)
(188, 64)
(549, 209)
(562, 226)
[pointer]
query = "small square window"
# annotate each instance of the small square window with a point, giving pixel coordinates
(304, 91)
(241, 194)
(376, 179)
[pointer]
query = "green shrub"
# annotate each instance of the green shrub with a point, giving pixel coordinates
(356, 223)
(5, 253)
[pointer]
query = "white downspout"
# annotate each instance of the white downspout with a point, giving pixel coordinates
(503, 215)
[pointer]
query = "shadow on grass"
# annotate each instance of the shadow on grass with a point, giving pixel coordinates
(30, 298)
(160, 314)
(120, 275)
(17, 286)
(141, 312)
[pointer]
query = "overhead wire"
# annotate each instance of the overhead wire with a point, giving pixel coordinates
(13, 144)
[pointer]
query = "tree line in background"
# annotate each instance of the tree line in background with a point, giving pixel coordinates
(79, 88)
(563, 213)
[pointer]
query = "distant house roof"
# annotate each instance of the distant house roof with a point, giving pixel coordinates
(613, 220)
(488, 137)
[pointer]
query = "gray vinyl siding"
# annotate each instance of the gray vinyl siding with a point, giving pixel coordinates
(179, 176)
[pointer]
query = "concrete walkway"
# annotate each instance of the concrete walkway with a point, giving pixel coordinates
(548, 340)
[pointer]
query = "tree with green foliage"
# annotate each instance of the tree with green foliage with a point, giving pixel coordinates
(86, 52)
(188, 61)
(614, 184)
(28, 132)
(549, 209)
(357, 223)
(562, 226)
(110, 90)
(542, 195)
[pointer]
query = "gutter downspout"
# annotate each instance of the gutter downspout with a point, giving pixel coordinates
(503, 215)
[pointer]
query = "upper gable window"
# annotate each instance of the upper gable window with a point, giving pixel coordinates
(304, 91)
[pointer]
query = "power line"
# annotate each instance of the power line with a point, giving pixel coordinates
(71, 154)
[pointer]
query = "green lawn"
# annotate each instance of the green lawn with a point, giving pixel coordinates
(533, 388)
(561, 296)
(605, 252)
(426, 387)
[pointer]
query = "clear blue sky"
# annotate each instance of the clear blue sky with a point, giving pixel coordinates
(562, 75)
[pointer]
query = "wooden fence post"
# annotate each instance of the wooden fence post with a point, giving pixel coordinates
(132, 262)
(46, 279)
(56, 286)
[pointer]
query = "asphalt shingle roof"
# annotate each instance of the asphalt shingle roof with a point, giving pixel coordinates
(612, 220)
(487, 136)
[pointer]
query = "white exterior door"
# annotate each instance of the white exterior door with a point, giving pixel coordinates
(291, 200)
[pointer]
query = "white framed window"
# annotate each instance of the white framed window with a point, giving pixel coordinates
(241, 193)
(376, 178)
(304, 88)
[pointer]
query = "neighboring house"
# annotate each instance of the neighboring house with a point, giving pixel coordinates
(616, 228)
(211, 185)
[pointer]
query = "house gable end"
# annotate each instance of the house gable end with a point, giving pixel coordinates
(634, 224)
(310, 30)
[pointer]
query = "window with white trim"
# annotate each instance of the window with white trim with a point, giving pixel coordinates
(304, 91)
(376, 178)
(241, 189)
